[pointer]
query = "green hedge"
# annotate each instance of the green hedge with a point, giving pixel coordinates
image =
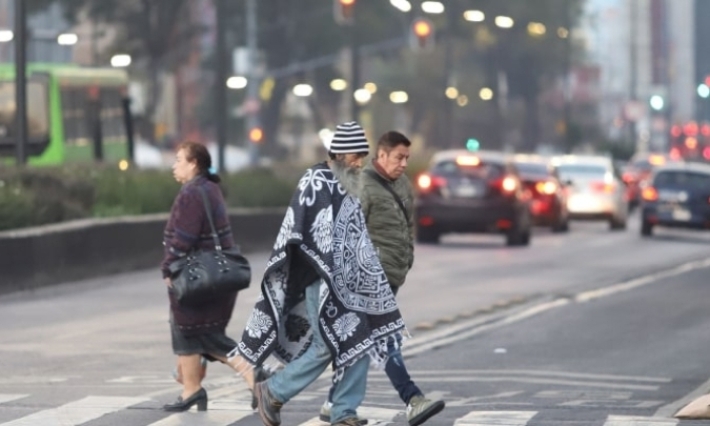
(36, 196)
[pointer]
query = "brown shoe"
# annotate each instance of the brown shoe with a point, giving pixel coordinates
(269, 407)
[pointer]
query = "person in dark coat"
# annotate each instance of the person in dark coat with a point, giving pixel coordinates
(197, 332)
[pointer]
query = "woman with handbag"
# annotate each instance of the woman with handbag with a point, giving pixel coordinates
(197, 326)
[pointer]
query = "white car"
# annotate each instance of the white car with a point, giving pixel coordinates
(594, 191)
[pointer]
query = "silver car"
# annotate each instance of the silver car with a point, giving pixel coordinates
(594, 191)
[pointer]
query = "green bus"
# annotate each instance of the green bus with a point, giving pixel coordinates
(70, 109)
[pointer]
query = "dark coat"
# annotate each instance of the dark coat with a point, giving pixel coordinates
(391, 231)
(187, 229)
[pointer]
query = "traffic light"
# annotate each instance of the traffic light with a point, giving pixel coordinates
(344, 11)
(256, 135)
(473, 144)
(422, 35)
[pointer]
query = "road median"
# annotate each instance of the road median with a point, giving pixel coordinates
(87, 248)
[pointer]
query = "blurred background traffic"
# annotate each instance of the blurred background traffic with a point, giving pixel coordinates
(595, 93)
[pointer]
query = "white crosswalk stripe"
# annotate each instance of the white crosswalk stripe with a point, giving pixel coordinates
(374, 416)
(496, 418)
(639, 421)
(9, 397)
(77, 412)
(207, 418)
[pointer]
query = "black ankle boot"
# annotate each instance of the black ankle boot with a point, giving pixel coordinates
(199, 398)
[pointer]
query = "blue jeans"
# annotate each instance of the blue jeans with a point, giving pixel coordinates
(301, 372)
(397, 371)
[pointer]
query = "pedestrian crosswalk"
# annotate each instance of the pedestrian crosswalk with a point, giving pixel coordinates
(226, 411)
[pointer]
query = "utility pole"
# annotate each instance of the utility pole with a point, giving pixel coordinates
(20, 81)
(354, 71)
(633, 68)
(252, 81)
(448, 65)
(568, 79)
(220, 81)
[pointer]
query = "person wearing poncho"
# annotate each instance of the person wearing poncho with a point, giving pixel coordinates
(325, 296)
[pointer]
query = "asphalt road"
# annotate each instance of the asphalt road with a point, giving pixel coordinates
(509, 335)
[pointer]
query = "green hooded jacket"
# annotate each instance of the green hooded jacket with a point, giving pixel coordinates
(390, 231)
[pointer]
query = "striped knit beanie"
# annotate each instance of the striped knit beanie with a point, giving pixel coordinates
(349, 138)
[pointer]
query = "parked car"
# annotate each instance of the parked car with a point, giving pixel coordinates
(677, 196)
(465, 192)
(548, 198)
(594, 191)
(637, 172)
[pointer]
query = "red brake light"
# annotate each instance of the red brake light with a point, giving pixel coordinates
(706, 152)
(547, 188)
(675, 154)
(605, 187)
(424, 182)
(509, 184)
(427, 182)
(649, 194)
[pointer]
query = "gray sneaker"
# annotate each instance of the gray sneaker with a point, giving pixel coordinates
(269, 408)
(325, 414)
(421, 409)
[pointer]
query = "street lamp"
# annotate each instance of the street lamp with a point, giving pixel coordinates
(402, 5)
(504, 21)
(338, 84)
(237, 82)
(362, 96)
(67, 39)
(121, 60)
(703, 91)
(433, 7)
(6, 36)
(399, 97)
(303, 90)
(474, 16)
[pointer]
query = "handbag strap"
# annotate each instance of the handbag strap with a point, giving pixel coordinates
(388, 187)
(208, 210)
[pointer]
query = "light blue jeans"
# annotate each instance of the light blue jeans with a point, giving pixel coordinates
(298, 374)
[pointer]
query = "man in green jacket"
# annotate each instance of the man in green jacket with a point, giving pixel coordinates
(387, 201)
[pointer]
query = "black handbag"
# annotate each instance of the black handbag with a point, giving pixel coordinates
(203, 276)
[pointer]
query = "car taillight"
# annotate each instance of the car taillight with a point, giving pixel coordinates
(428, 182)
(649, 194)
(605, 187)
(509, 184)
(628, 177)
(547, 188)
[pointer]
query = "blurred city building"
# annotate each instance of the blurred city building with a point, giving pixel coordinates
(645, 50)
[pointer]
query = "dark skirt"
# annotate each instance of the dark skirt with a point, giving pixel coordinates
(207, 344)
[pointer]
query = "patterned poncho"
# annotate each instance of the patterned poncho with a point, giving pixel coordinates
(324, 229)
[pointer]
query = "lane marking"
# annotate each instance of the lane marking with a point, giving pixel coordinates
(8, 397)
(77, 412)
(496, 418)
(601, 385)
(641, 281)
(669, 410)
(638, 421)
(457, 333)
(547, 373)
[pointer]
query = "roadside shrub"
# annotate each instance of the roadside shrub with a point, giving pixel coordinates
(35, 196)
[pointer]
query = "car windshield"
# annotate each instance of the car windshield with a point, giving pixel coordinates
(687, 180)
(567, 171)
(483, 170)
(532, 168)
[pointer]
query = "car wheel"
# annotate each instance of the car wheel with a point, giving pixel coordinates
(562, 225)
(617, 224)
(427, 236)
(517, 237)
(646, 228)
